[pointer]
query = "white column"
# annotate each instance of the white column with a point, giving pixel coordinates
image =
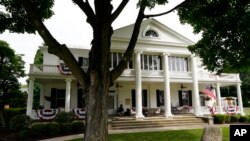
(138, 85)
(196, 97)
(218, 95)
(30, 97)
(41, 103)
(167, 97)
(67, 96)
(241, 111)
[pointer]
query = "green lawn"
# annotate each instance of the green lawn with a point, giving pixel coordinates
(173, 135)
(247, 110)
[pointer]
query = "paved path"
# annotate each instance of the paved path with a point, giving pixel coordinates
(65, 138)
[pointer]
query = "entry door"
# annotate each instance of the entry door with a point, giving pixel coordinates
(112, 102)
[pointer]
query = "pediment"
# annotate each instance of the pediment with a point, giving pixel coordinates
(165, 34)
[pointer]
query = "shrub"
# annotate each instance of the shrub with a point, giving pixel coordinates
(66, 128)
(219, 119)
(64, 117)
(20, 122)
(52, 129)
(243, 119)
(23, 134)
(227, 118)
(11, 112)
(38, 129)
(78, 127)
(234, 118)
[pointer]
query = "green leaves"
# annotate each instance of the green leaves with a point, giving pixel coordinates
(15, 18)
(225, 29)
(151, 3)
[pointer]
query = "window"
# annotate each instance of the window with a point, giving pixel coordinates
(144, 98)
(159, 98)
(185, 98)
(57, 98)
(115, 58)
(151, 33)
(178, 64)
(80, 98)
(150, 62)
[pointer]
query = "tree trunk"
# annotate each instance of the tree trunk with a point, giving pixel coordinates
(99, 81)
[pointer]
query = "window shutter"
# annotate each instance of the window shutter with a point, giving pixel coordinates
(133, 98)
(190, 97)
(53, 98)
(180, 98)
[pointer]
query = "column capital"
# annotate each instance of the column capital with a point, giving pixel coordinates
(138, 52)
(165, 54)
(31, 79)
(68, 80)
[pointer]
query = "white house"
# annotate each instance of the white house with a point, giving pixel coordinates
(162, 73)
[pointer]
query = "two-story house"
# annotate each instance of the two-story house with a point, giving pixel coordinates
(162, 73)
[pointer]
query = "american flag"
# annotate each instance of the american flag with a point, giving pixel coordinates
(208, 91)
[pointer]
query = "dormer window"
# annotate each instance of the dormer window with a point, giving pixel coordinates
(151, 33)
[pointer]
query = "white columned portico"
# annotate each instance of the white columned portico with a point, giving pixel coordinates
(239, 96)
(167, 97)
(67, 96)
(138, 85)
(218, 95)
(30, 97)
(196, 97)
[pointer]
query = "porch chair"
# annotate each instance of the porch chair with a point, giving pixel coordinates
(157, 111)
(132, 111)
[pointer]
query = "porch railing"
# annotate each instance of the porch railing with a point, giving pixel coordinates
(202, 76)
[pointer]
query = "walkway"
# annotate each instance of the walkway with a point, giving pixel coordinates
(65, 138)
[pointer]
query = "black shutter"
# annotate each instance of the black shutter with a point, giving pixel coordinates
(158, 98)
(133, 98)
(79, 98)
(53, 98)
(190, 97)
(144, 98)
(80, 61)
(180, 98)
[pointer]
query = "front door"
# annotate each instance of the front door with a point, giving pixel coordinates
(112, 102)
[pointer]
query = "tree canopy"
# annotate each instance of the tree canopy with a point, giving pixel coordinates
(11, 68)
(225, 32)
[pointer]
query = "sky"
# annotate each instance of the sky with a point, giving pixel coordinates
(68, 26)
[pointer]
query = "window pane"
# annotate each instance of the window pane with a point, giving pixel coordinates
(155, 62)
(114, 59)
(119, 58)
(110, 60)
(145, 62)
(130, 63)
(151, 65)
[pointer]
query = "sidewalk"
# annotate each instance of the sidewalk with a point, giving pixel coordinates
(70, 137)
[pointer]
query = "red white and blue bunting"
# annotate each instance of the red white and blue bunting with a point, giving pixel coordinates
(47, 114)
(64, 69)
(80, 113)
(231, 109)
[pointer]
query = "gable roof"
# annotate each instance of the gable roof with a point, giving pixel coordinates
(166, 34)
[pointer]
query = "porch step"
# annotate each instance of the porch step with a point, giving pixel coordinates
(155, 122)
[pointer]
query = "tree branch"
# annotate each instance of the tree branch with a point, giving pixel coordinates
(86, 8)
(117, 71)
(164, 13)
(119, 9)
(54, 46)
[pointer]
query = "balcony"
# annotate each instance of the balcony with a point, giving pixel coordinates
(158, 74)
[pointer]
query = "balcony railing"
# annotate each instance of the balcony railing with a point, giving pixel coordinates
(202, 76)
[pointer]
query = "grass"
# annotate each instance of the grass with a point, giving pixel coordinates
(172, 135)
(247, 110)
